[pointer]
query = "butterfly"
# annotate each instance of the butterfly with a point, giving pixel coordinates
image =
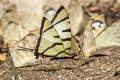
(105, 36)
(52, 39)
(55, 40)
(98, 24)
(109, 38)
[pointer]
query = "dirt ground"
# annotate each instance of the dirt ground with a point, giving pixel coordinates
(98, 68)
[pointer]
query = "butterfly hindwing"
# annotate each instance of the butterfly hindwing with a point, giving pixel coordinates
(61, 23)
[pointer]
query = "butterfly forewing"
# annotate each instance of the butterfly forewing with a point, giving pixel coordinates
(50, 43)
(61, 23)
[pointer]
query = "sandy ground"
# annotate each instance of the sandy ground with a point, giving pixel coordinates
(98, 68)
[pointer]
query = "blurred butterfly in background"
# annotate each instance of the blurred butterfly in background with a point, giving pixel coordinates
(109, 37)
(98, 24)
(105, 36)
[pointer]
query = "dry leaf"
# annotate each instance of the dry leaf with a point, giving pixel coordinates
(110, 37)
(20, 55)
(2, 57)
(15, 28)
(94, 27)
(89, 44)
(78, 18)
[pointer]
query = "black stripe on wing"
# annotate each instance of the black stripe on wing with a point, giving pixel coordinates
(56, 15)
(48, 29)
(39, 40)
(57, 36)
(60, 53)
(58, 11)
(61, 20)
(66, 39)
(54, 44)
(55, 24)
(68, 48)
(66, 30)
